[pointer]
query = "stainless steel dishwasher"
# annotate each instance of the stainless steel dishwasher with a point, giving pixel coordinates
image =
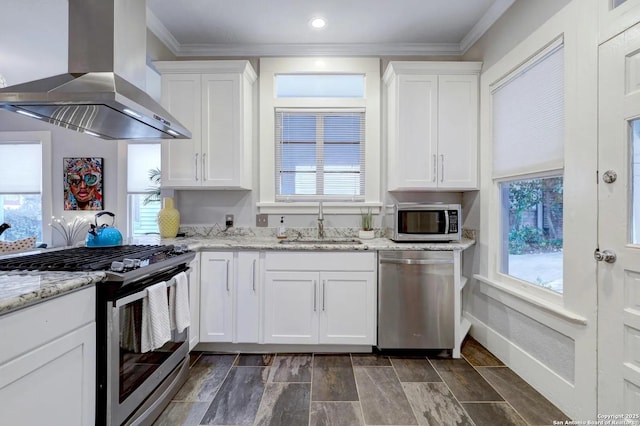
(415, 300)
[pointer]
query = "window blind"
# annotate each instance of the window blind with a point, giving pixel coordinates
(21, 171)
(528, 116)
(320, 154)
(141, 158)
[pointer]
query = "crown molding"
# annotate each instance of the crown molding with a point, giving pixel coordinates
(163, 34)
(331, 49)
(497, 9)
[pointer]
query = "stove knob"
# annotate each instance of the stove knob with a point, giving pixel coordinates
(131, 263)
(117, 266)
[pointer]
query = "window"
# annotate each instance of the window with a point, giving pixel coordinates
(528, 158)
(22, 203)
(320, 154)
(319, 134)
(143, 186)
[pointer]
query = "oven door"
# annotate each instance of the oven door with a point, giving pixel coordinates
(133, 375)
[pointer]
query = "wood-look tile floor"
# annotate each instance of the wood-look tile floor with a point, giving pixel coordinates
(356, 389)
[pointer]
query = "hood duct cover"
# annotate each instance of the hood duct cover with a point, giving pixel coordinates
(92, 98)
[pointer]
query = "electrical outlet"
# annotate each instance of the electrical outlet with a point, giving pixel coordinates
(228, 220)
(262, 220)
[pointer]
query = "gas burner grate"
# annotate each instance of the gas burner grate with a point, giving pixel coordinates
(81, 258)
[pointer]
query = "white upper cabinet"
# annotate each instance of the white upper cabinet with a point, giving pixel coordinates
(432, 125)
(213, 99)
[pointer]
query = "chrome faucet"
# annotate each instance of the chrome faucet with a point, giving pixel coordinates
(320, 221)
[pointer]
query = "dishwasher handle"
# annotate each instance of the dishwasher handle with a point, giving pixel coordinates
(416, 261)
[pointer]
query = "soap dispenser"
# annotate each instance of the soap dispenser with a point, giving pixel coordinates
(282, 231)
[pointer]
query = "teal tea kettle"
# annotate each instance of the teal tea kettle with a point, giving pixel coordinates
(103, 235)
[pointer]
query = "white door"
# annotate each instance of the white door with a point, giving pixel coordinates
(619, 225)
(216, 297)
(181, 158)
(347, 308)
(291, 307)
(247, 304)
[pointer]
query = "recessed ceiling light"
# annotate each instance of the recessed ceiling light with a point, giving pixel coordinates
(318, 23)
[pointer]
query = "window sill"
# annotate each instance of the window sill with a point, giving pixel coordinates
(311, 207)
(497, 291)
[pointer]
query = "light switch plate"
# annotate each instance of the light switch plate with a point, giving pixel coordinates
(262, 220)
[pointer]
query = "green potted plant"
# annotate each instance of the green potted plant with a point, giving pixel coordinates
(366, 224)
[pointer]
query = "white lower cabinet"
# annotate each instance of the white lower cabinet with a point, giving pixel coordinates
(291, 307)
(47, 362)
(194, 302)
(216, 302)
(247, 297)
(230, 297)
(320, 298)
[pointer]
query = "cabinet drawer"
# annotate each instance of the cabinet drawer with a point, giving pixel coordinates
(28, 328)
(329, 261)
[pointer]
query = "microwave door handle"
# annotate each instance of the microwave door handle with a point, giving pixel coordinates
(446, 222)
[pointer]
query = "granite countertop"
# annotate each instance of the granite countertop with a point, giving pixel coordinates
(347, 244)
(22, 289)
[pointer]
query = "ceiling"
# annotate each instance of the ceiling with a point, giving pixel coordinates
(354, 27)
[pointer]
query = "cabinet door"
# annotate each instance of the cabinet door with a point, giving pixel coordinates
(291, 307)
(194, 301)
(414, 139)
(247, 306)
(53, 384)
(457, 132)
(216, 289)
(348, 308)
(181, 159)
(222, 130)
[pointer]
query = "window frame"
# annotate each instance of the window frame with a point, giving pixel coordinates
(551, 169)
(370, 102)
(125, 199)
(43, 138)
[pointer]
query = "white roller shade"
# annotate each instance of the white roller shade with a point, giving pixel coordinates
(528, 116)
(21, 170)
(140, 159)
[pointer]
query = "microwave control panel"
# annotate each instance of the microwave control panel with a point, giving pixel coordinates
(453, 221)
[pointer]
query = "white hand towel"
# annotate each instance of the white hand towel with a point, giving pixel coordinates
(182, 314)
(156, 330)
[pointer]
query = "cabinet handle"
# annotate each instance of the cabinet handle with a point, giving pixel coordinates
(435, 171)
(324, 293)
(253, 276)
(315, 288)
(204, 166)
(442, 167)
(227, 275)
(196, 161)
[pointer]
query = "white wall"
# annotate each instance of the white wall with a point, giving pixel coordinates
(67, 143)
(543, 343)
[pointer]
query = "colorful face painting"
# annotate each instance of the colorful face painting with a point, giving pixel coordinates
(83, 183)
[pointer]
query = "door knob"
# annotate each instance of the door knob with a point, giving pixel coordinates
(609, 176)
(606, 256)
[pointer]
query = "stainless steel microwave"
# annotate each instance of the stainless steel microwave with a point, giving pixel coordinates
(427, 222)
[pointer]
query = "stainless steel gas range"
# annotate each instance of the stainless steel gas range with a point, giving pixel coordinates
(132, 386)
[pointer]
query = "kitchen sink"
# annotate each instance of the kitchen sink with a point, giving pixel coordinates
(321, 242)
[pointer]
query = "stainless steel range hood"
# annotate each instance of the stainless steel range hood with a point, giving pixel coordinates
(107, 55)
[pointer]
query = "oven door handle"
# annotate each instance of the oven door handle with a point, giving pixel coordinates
(139, 295)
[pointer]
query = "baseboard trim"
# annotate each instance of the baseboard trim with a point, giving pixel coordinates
(544, 380)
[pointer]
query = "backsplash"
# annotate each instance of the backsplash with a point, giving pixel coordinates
(216, 231)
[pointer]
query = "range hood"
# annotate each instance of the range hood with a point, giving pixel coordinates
(107, 55)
